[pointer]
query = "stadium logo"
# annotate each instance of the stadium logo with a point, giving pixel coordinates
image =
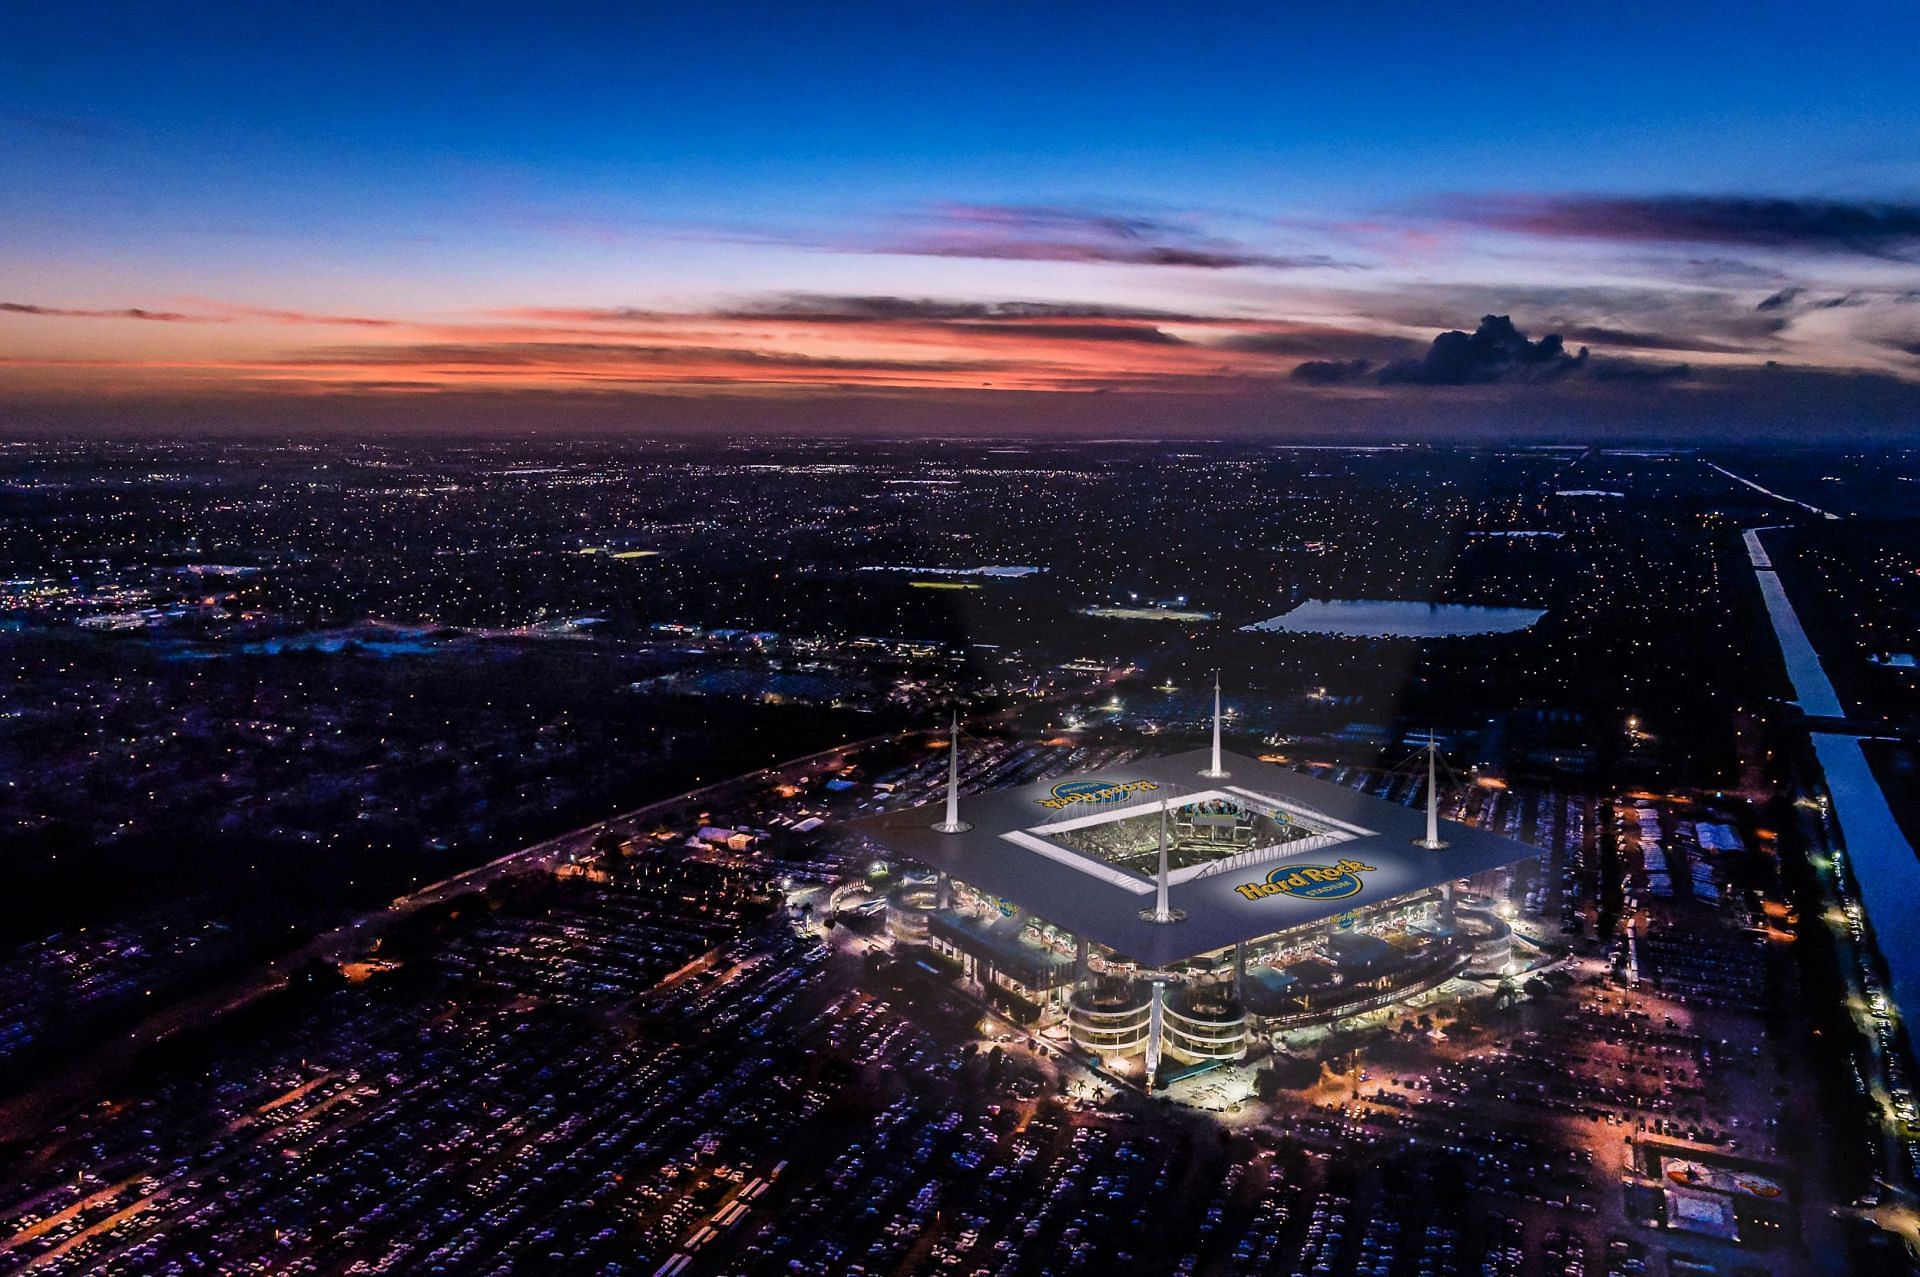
(1069, 792)
(1310, 882)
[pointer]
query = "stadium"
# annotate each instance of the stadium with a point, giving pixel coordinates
(1175, 911)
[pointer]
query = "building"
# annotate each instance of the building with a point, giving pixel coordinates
(1178, 908)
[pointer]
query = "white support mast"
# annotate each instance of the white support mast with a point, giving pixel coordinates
(1432, 842)
(1216, 772)
(1162, 911)
(953, 824)
(1156, 1030)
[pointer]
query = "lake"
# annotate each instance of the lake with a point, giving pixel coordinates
(1393, 618)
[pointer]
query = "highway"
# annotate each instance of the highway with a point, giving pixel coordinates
(1777, 496)
(1878, 866)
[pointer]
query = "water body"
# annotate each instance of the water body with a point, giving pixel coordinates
(1884, 866)
(1392, 618)
(1004, 572)
(334, 644)
(1145, 614)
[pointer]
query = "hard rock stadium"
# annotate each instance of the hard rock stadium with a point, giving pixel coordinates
(1175, 911)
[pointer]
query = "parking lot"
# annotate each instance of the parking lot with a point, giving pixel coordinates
(651, 1061)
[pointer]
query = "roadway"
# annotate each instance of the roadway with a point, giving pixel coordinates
(1877, 864)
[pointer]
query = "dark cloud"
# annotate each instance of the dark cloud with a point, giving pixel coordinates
(1547, 306)
(130, 312)
(826, 307)
(1726, 271)
(1789, 298)
(1870, 228)
(1013, 320)
(1089, 233)
(1498, 353)
(585, 314)
(1137, 334)
(1792, 302)
(1331, 372)
(581, 354)
(1495, 351)
(1059, 233)
(1338, 345)
(1638, 339)
(1114, 254)
(226, 314)
(1688, 320)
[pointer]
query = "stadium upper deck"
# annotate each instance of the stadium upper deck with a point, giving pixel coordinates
(1073, 852)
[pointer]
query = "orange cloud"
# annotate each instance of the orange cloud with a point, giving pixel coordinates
(794, 341)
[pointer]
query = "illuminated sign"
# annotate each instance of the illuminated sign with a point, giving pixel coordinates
(1309, 882)
(1093, 792)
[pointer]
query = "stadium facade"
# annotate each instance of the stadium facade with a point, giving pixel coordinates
(1175, 909)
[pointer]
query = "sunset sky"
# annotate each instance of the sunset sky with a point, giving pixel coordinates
(1124, 217)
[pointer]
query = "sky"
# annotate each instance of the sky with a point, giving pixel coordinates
(1127, 218)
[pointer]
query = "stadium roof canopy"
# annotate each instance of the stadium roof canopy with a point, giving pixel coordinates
(1361, 851)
